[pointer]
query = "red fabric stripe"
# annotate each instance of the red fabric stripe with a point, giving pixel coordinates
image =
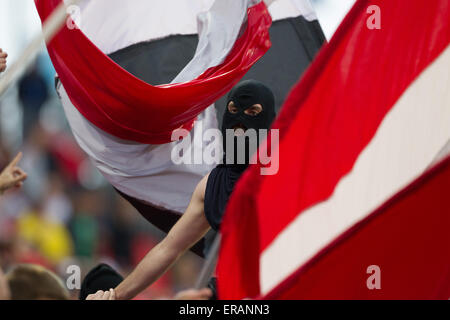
(126, 107)
(407, 238)
(328, 119)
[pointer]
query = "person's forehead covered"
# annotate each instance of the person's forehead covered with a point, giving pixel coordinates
(251, 92)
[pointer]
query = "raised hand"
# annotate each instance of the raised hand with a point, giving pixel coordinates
(12, 175)
(3, 56)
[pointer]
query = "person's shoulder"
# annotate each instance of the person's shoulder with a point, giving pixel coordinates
(200, 190)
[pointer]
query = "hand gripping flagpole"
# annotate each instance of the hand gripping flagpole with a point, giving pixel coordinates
(210, 264)
(51, 26)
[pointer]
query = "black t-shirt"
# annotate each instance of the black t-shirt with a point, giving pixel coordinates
(219, 187)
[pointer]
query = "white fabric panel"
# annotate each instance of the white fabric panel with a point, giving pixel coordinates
(443, 153)
(145, 172)
(282, 9)
(115, 24)
(408, 140)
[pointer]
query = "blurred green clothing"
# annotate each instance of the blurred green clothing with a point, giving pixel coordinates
(85, 234)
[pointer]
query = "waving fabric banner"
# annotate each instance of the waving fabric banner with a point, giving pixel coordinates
(370, 116)
(128, 108)
(162, 43)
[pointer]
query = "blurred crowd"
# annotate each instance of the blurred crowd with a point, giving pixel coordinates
(65, 214)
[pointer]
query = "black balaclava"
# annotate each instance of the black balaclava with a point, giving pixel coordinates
(245, 95)
(102, 277)
(222, 179)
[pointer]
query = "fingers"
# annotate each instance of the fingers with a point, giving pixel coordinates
(99, 295)
(16, 160)
(18, 172)
(106, 295)
(12, 176)
(19, 175)
(113, 294)
(3, 56)
(90, 297)
(95, 296)
(203, 294)
(102, 295)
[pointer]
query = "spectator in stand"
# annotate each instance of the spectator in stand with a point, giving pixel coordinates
(33, 282)
(102, 277)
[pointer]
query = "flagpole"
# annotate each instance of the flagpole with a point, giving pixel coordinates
(210, 264)
(51, 26)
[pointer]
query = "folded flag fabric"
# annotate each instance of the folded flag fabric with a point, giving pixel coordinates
(371, 115)
(128, 108)
(157, 42)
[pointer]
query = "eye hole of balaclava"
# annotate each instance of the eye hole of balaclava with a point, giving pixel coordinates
(250, 105)
(251, 111)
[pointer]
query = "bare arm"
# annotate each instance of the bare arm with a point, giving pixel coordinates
(191, 227)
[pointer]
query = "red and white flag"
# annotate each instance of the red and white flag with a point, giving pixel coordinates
(136, 69)
(342, 218)
(128, 108)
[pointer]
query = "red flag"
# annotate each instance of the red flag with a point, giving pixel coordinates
(398, 252)
(370, 116)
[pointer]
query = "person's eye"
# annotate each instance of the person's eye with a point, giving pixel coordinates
(232, 108)
(254, 110)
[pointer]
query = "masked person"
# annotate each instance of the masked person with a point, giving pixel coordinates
(250, 107)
